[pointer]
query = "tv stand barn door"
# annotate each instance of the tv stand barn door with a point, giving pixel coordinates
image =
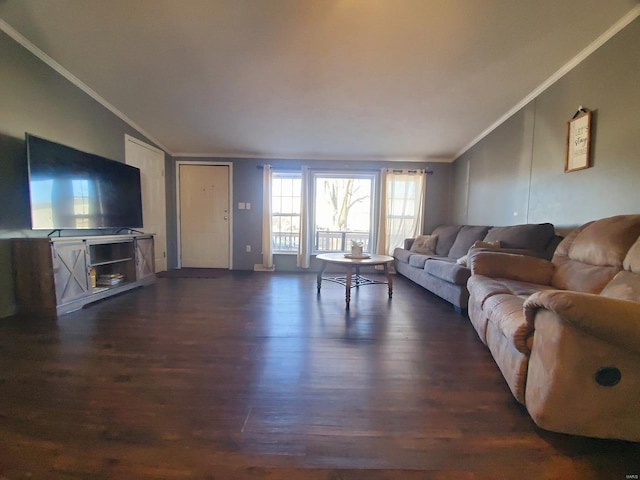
(54, 276)
(70, 271)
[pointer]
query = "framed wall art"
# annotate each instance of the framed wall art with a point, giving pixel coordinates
(578, 141)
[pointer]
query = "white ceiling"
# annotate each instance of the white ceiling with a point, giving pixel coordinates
(392, 79)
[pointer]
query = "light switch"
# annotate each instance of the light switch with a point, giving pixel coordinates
(248, 206)
(241, 206)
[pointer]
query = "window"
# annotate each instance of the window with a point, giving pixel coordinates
(343, 207)
(285, 216)
(81, 202)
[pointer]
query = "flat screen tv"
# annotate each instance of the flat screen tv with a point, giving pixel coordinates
(70, 189)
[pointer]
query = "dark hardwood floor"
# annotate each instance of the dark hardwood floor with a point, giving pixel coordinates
(254, 375)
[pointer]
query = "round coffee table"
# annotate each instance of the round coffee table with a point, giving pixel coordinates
(351, 280)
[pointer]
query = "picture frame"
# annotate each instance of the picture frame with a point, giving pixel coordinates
(578, 153)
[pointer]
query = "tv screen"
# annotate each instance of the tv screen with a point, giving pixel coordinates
(77, 190)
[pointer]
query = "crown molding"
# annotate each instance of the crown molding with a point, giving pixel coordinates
(22, 40)
(326, 158)
(566, 68)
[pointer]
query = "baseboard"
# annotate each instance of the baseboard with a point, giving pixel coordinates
(258, 267)
(8, 311)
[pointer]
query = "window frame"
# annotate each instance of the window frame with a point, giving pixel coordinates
(373, 176)
(278, 175)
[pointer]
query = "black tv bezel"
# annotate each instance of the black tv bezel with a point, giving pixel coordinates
(89, 156)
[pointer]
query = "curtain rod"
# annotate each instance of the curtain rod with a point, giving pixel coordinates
(294, 168)
(410, 170)
(280, 167)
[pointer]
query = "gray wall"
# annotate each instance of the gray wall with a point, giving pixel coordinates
(38, 100)
(516, 174)
(247, 187)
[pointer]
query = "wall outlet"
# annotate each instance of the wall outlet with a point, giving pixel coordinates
(248, 248)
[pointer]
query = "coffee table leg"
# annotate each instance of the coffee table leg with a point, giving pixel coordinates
(389, 281)
(348, 285)
(320, 272)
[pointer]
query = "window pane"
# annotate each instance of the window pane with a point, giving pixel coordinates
(343, 208)
(285, 203)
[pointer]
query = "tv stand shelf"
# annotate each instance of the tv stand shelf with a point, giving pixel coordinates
(58, 275)
(111, 262)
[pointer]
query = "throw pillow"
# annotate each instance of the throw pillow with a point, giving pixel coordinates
(479, 244)
(490, 245)
(425, 244)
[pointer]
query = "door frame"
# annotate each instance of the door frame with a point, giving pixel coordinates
(229, 179)
(128, 138)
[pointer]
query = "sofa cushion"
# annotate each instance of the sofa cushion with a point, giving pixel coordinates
(402, 255)
(562, 250)
(524, 289)
(446, 236)
(425, 244)
(590, 256)
(581, 277)
(607, 241)
(482, 288)
(507, 314)
(467, 236)
(528, 236)
(478, 245)
(417, 260)
(447, 270)
(624, 286)
(632, 260)
(487, 245)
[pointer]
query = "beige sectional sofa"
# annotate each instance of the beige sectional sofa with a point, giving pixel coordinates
(441, 271)
(566, 333)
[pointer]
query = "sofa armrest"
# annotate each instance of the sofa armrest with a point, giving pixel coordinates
(611, 320)
(523, 268)
(408, 242)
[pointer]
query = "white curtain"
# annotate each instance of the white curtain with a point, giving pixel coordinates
(401, 208)
(267, 241)
(303, 259)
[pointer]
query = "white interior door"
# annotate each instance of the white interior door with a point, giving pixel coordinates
(204, 215)
(150, 161)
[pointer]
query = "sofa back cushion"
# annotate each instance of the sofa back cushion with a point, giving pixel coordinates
(632, 260)
(533, 237)
(626, 284)
(581, 277)
(446, 236)
(591, 256)
(467, 236)
(606, 241)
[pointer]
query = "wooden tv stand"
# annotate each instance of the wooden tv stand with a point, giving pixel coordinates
(54, 276)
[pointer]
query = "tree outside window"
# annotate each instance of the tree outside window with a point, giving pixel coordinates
(343, 207)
